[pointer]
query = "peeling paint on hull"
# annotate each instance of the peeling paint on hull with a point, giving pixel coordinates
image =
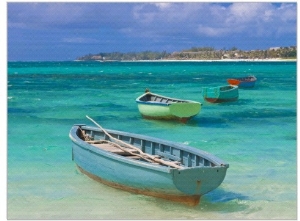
(214, 100)
(187, 200)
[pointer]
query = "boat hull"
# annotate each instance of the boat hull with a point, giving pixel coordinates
(153, 106)
(218, 100)
(181, 185)
(180, 111)
(220, 94)
(188, 200)
(246, 82)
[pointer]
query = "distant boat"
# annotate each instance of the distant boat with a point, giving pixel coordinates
(154, 106)
(146, 165)
(243, 82)
(220, 94)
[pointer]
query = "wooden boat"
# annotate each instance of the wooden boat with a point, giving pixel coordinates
(244, 82)
(146, 165)
(154, 106)
(221, 93)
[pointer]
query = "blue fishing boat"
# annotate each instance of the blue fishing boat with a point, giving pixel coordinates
(220, 94)
(155, 106)
(146, 165)
(243, 82)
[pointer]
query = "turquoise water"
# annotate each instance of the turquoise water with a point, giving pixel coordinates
(256, 135)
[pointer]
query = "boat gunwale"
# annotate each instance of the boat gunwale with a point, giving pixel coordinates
(232, 87)
(100, 152)
(153, 103)
(162, 103)
(244, 79)
(218, 163)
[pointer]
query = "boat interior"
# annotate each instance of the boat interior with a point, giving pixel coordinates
(164, 152)
(227, 87)
(249, 78)
(156, 98)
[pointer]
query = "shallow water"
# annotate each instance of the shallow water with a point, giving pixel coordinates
(256, 135)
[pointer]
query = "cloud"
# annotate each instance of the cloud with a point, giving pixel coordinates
(215, 20)
(157, 19)
(254, 19)
(212, 31)
(67, 15)
(138, 25)
(287, 12)
(163, 6)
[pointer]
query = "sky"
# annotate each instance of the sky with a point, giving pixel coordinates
(61, 31)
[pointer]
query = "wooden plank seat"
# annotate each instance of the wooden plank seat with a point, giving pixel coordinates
(111, 148)
(140, 158)
(134, 157)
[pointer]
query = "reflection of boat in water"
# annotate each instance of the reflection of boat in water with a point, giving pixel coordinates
(220, 94)
(243, 82)
(156, 106)
(146, 165)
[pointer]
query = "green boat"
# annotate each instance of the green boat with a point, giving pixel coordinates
(155, 106)
(220, 94)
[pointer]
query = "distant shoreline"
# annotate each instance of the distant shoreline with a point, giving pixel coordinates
(190, 60)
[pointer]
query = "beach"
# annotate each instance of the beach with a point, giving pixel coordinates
(192, 60)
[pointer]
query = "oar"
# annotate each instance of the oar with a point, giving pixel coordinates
(142, 154)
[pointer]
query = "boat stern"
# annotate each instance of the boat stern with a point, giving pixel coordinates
(233, 81)
(199, 180)
(185, 110)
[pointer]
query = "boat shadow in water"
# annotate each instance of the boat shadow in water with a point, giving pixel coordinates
(240, 101)
(249, 88)
(220, 195)
(196, 121)
(220, 200)
(217, 200)
(212, 122)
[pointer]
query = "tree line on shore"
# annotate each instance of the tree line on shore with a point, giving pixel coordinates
(197, 53)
